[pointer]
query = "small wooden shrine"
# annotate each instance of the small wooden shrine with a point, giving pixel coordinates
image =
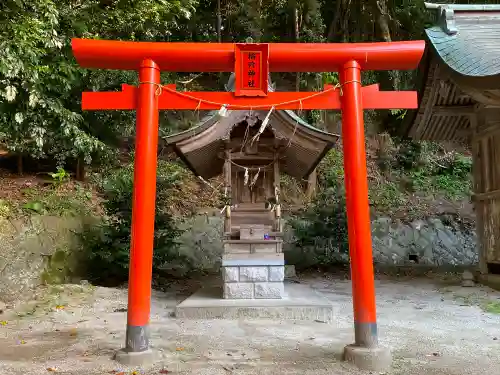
(252, 148)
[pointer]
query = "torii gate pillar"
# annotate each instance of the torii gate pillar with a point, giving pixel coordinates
(351, 99)
(143, 217)
(365, 352)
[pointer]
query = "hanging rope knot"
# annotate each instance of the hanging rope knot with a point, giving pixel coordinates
(159, 87)
(262, 126)
(340, 85)
(254, 180)
(245, 182)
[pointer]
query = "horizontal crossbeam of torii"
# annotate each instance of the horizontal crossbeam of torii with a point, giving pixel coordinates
(220, 57)
(170, 98)
(251, 64)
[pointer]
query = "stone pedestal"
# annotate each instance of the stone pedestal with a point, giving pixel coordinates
(253, 266)
(253, 276)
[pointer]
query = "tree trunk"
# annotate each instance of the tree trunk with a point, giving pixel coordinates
(20, 164)
(311, 184)
(381, 19)
(332, 30)
(80, 170)
(296, 37)
(388, 80)
(381, 14)
(219, 22)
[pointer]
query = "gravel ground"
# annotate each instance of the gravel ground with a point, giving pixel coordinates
(431, 329)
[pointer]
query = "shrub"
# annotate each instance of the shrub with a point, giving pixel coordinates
(320, 235)
(426, 167)
(320, 230)
(200, 246)
(408, 155)
(108, 245)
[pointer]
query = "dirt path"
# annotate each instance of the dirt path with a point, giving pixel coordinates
(434, 331)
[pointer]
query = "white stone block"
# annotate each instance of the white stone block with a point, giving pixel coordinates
(238, 290)
(269, 290)
(253, 274)
(230, 274)
(277, 273)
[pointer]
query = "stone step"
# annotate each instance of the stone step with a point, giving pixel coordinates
(238, 220)
(235, 233)
(250, 207)
(301, 303)
(255, 259)
(253, 246)
(252, 241)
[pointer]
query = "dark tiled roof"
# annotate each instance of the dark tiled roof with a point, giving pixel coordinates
(467, 38)
(200, 145)
(460, 69)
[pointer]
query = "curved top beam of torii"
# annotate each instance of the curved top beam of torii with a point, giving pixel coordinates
(219, 57)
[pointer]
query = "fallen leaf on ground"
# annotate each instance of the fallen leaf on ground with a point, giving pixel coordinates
(435, 354)
(3, 323)
(51, 369)
(59, 307)
(163, 372)
(179, 349)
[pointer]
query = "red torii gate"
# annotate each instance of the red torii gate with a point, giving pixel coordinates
(252, 63)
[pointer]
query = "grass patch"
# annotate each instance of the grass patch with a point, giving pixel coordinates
(56, 297)
(491, 307)
(482, 301)
(66, 199)
(452, 187)
(387, 196)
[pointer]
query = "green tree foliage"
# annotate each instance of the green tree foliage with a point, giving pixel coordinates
(40, 83)
(320, 229)
(107, 246)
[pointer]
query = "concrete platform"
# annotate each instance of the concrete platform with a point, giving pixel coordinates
(301, 303)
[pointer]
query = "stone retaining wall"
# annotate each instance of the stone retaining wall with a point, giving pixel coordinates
(427, 242)
(431, 242)
(36, 249)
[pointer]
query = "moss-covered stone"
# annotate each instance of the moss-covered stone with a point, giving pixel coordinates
(36, 249)
(58, 268)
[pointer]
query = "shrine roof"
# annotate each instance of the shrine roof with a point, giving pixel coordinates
(467, 38)
(460, 69)
(199, 146)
